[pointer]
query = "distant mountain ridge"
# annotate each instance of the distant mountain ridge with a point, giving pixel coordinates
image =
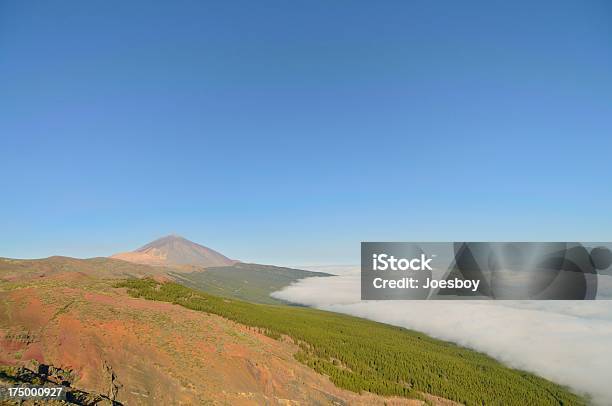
(174, 250)
(250, 282)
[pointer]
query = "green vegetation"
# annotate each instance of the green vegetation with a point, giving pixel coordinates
(250, 282)
(362, 355)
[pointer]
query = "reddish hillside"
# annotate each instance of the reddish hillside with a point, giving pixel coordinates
(142, 352)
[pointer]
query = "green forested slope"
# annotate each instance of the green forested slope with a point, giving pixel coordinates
(358, 354)
(250, 282)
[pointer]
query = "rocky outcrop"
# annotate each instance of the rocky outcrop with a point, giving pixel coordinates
(49, 375)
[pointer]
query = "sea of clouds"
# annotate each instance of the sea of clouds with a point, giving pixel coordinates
(569, 342)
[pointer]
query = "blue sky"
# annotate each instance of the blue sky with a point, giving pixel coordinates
(288, 132)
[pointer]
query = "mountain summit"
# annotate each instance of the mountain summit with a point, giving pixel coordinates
(175, 250)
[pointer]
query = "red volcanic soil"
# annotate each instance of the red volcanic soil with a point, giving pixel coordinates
(153, 352)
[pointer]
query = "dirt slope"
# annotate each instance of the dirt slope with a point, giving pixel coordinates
(144, 352)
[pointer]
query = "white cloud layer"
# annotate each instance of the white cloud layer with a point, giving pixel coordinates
(569, 342)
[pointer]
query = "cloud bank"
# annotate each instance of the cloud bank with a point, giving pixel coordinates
(569, 342)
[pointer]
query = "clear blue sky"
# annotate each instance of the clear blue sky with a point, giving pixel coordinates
(287, 132)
